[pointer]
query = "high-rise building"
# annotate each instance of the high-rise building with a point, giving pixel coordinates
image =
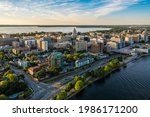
(97, 47)
(113, 45)
(45, 45)
(15, 44)
(129, 40)
(120, 42)
(39, 44)
(30, 43)
(81, 46)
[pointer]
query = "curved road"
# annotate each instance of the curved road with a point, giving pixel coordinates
(44, 91)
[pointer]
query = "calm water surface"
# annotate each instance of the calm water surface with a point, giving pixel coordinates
(12, 30)
(131, 83)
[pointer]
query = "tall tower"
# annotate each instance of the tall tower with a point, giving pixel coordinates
(74, 33)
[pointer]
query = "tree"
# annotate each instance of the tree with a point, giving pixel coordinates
(33, 57)
(7, 67)
(76, 78)
(22, 76)
(25, 68)
(19, 56)
(101, 72)
(12, 77)
(2, 55)
(53, 71)
(116, 63)
(111, 64)
(87, 74)
(40, 74)
(3, 97)
(69, 57)
(61, 96)
(33, 64)
(107, 68)
(79, 84)
(3, 85)
(69, 86)
(10, 51)
(8, 72)
(81, 55)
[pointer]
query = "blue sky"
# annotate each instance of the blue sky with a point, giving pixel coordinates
(74, 12)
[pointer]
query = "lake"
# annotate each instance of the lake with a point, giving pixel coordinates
(130, 83)
(12, 30)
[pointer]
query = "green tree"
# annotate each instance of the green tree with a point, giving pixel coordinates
(76, 78)
(12, 77)
(7, 67)
(87, 74)
(22, 76)
(40, 74)
(19, 56)
(69, 57)
(107, 68)
(33, 57)
(3, 97)
(81, 56)
(61, 96)
(69, 86)
(3, 86)
(10, 51)
(2, 55)
(53, 71)
(25, 68)
(79, 85)
(8, 72)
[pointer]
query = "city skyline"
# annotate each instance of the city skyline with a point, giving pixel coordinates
(74, 12)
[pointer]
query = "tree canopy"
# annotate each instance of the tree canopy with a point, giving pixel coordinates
(61, 96)
(79, 84)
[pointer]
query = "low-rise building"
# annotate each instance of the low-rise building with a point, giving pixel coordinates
(5, 35)
(22, 63)
(64, 38)
(81, 46)
(143, 49)
(33, 70)
(5, 48)
(84, 61)
(57, 59)
(7, 41)
(19, 50)
(62, 44)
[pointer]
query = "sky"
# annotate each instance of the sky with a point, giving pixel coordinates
(74, 12)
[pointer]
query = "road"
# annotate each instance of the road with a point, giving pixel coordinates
(81, 72)
(40, 89)
(69, 78)
(43, 91)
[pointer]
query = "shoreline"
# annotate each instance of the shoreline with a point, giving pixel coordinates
(90, 82)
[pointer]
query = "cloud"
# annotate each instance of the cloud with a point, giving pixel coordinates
(74, 10)
(115, 5)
